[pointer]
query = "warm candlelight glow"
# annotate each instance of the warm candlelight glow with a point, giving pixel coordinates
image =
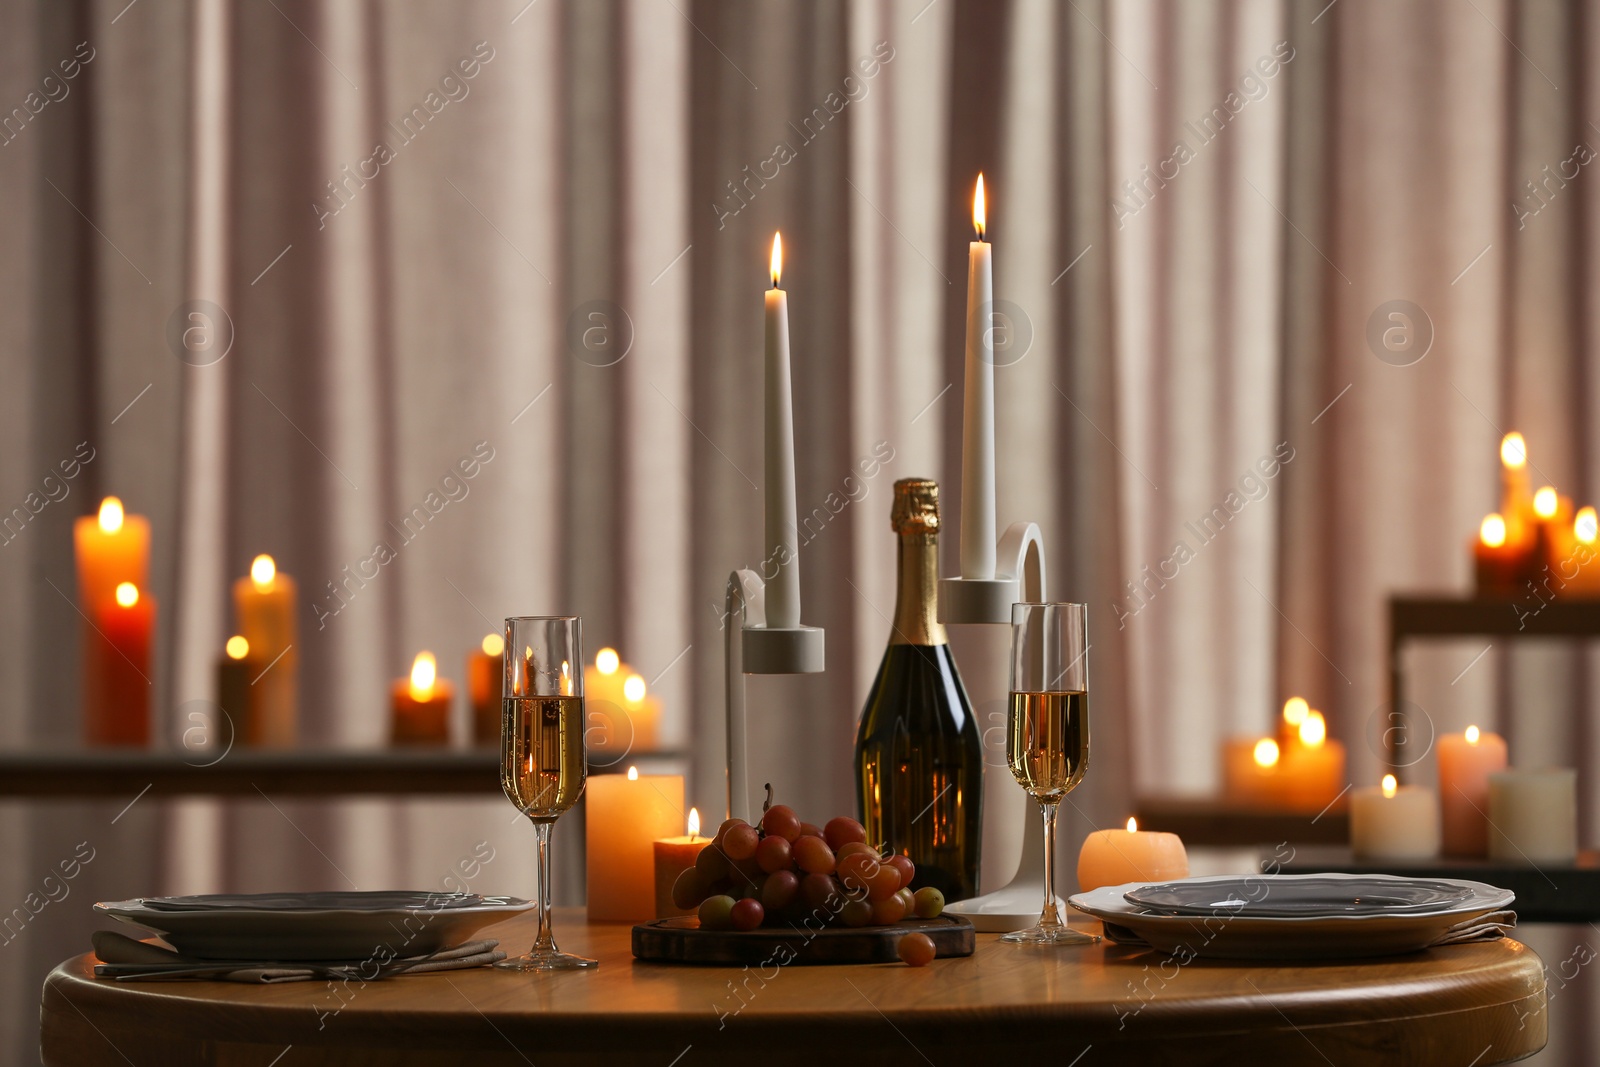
(237, 647)
(633, 689)
(980, 213)
(694, 822)
(1133, 824)
(606, 661)
(1389, 785)
(493, 644)
(633, 774)
(1586, 526)
(262, 571)
(110, 514)
(1493, 531)
(127, 594)
(777, 258)
(1266, 753)
(1294, 711)
(1472, 735)
(424, 670)
(1513, 451)
(1313, 730)
(1544, 502)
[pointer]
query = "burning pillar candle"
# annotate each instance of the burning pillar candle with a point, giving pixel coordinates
(264, 602)
(626, 815)
(1552, 537)
(1583, 573)
(1394, 822)
(486, 671)
(117, 683)
(1516, 491)
(1498, 565)
(1295, 710)
(782, 553)
(977, 412)
(1313, 767)
(1466, 760)
(674, 855)
(421, 705)
(1117, 857)
(1250, 771)
(1533, 816)
(234, 671)
(112, 547)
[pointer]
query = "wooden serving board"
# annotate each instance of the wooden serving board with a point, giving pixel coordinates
(680, 940)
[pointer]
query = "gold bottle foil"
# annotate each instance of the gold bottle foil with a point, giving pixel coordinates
(915, 517)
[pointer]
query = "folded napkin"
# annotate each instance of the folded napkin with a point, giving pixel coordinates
(1489, 927)
(124, 958)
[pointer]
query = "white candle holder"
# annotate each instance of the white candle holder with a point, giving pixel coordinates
(751, 647)
(1019, 576)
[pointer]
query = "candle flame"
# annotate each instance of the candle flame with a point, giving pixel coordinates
(263, 571)
(694, 822)
(1544, 501)
(777, 258)
(1389, 785)
(1492, 531)
(633, 774)
(1513, 451)
(1472, 735)
(1314, 730)
(980, 213)
(237, 647)
(1294, 710)
(606, 661)
(493, 644)
(1133, 824)
(1586, 526)
(633, 689)
(127, 594)
(424, 671)
(110, 514)
(1266, 753)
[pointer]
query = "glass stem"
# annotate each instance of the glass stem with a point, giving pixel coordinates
(1050, 918)
(547, 940)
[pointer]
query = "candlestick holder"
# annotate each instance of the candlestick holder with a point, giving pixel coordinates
(1019, 576)
(751, 647)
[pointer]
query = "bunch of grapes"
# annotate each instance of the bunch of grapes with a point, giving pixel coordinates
(786, 871)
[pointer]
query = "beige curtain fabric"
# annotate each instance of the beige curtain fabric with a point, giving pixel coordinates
(410, 255)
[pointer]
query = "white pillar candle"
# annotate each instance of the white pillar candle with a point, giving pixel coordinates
(977, 413)
(782, 560)
(1533, 816)
(1465, 762)
(1394, 822)
(1117, 857)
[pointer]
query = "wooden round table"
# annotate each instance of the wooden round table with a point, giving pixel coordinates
(1467, 1004)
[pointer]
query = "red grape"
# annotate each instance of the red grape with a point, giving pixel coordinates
(711, 864)
(716, 912)
(812, 855)
(688, 891)
(905, 894)
(917, 950)
(780, 890)
(856, 871)
(774, 854)
(750, 888)
(906, 868)
(842, 831)
(889, 910)
(819, 891)
(928, 903)
(740, 842)
(885, 882)
(747, 914)
(810, 829)
(851, 848)
(856, 913)
(781, 821)
(722, 831)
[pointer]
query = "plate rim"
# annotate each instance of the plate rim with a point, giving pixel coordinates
(1464, 889)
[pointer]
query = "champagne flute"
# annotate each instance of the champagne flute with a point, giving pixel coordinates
(542, 758)
(1047, 736)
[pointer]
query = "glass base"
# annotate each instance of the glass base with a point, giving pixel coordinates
(546, 961)
(1049, 935)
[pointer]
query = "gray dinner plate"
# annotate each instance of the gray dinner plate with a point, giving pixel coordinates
(1311, 895)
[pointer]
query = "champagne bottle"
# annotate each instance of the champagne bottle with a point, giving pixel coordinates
(919, 765)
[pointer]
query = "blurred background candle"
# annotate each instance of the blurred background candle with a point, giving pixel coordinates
(421, 705)
(1498, 564)
(1394, 822)
(1552, 525)
(1584, 570)
(234, 689)
(485, 681)
(624, 716)
(1295, 710)
(625, 814)
(673, 856)
(1313, 767)
(117, 683)
(264, 604)
(1250, 771)
(1533, 816)
(112, 547)
(1116, 857)
(1465, 762)
(1516, 492)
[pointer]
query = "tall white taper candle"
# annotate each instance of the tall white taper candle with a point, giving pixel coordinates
(977, 413)
(782, 553)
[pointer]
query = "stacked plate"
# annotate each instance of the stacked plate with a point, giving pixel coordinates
(1289, 916)
(314, 926)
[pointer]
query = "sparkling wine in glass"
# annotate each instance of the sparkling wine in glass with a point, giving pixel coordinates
(1047, 735)
(542, 758)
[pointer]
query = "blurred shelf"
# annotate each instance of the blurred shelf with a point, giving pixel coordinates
(1214, 822)
(85, 773)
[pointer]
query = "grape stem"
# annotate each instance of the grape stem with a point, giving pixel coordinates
(768, 802)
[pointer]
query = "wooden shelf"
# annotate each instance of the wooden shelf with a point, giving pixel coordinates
(1207, 821)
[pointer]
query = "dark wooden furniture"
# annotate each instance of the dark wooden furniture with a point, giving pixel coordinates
(1206, 821)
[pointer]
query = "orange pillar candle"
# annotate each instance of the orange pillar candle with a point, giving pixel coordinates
(674, 855)
(1465, 762)
(422, 705)
(624, 816)
(1117, 857)
(486, 676)
(1295, 710)
(1250, 771)
(1313, 769)
(264, 603)
(112, 547)
(643, 713)
(1498, 564)
(1582, 573)
(117, 683)
(1516, 491)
